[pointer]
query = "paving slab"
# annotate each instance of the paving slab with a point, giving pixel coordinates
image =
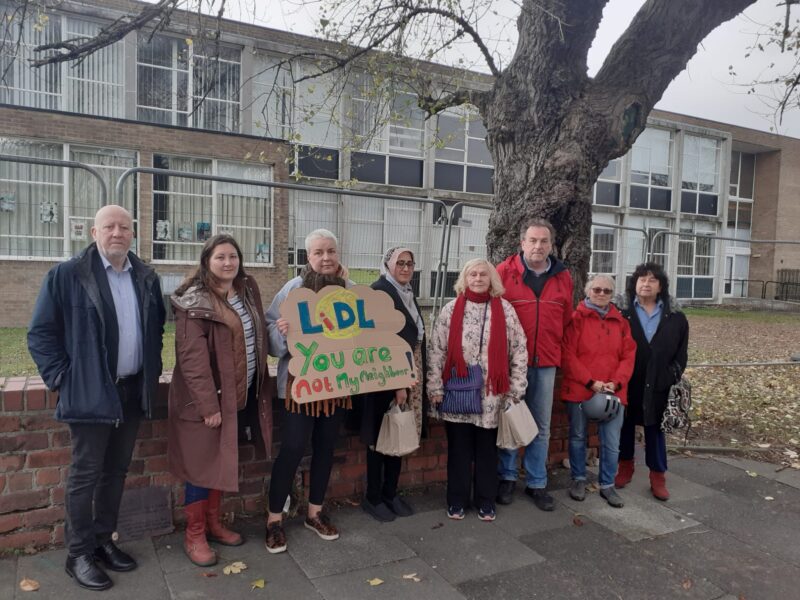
(147, 581)
(790, 477)
(354, 584)
(355, 549)
(462, 550)
(768, 527)
(282, 577)
(522, 518)
(595, 554)
(756, 490)
(738, 569)
(642, 517)
(680, 488)
(8, 574)
(705, 470)
(543, 581)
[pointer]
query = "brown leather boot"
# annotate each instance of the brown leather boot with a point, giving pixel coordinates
(658, 485)
(624, 473)
(216, 532)
(195, 544)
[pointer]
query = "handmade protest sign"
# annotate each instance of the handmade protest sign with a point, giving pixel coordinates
(344, 341)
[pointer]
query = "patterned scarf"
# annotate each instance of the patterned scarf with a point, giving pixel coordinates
(497, 381)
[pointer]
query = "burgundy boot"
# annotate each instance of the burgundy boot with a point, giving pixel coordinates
(624, 473)
(216, 532)
(195, 543)
(658, 485)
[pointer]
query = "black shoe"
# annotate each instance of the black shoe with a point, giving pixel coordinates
(399, 507)
(114, 558)
(86, 573)
(505, 491)
(379, 512)
(541, 498)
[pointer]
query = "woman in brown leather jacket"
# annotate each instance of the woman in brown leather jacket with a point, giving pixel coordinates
(221, 369)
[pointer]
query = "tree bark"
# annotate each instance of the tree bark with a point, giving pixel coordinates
(552, 129)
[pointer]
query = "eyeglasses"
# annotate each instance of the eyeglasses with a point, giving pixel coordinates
(606, 291)
(402, 264)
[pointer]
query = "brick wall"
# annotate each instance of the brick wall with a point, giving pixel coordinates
(35, 454)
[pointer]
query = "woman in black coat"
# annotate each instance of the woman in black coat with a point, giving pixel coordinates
(661, 333)
(383, 472)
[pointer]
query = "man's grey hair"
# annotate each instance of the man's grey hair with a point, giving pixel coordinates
(320, 233)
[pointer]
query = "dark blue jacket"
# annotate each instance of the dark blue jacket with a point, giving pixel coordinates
(67, 339)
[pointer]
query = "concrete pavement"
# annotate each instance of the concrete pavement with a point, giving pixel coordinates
(731, 530)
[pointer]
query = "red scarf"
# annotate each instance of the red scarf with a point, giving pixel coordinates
(497, 383)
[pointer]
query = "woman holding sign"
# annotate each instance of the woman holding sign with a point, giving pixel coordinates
(383, 472)
(477, 339)
(320, 422)
(220, 377)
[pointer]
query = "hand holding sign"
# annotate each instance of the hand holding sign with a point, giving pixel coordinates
(344, 342)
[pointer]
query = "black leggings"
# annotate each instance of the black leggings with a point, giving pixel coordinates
(295, 430)
(383, 473)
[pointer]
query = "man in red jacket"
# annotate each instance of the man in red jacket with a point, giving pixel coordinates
(539, 287)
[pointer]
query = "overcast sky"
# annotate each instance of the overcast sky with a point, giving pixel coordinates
(704, 89)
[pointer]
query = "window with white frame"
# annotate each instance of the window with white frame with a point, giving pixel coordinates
(606, 189)
(176, 80)
(84, 189)
(186, 212)
(696, 262)
(740, 203)
(42, 215)
(700, 175)
(315, 119)
(463, 160)
(388, 134)
(651, 170)
(92, 86)
(604, 250)
(273, 91)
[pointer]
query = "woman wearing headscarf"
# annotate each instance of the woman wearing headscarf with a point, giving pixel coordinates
(382, 501)
(661, 333)
(597, 356)
(479, 327)
(220, 378)
(320, 420)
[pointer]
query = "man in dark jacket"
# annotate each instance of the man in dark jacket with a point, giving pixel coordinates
(539, 287)
(96, 336)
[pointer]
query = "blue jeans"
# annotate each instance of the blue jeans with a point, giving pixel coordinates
(539, 398)
(609, 445)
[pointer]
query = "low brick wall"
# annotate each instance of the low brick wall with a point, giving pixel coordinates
(35, 454)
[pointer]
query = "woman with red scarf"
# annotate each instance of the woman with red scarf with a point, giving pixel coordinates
(477, 328)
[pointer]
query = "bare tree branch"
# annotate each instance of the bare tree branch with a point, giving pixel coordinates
(78, 48)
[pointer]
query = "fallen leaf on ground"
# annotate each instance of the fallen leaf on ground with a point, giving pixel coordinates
(235, 568)
(28, 585)
(577, 521)
(374, 581)
(768, 498)
(258, 583)
(413, 577)
(687, 584)
(208, 574)
(752, 473)
(764, 445)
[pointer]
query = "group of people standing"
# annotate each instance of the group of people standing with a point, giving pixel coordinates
(96, 338)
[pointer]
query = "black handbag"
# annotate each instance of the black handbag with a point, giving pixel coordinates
(464, 395)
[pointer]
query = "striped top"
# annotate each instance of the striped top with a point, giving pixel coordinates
(249, 335)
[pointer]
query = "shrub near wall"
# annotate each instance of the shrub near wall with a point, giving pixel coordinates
(35, 455)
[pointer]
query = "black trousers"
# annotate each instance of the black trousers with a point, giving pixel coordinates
(471, 446)
(383, 474)
(101, 455)
(295, 431)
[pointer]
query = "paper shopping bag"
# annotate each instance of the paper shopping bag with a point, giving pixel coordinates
(516, 427)
(398, 434)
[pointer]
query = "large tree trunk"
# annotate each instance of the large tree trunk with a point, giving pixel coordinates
(552, 129)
